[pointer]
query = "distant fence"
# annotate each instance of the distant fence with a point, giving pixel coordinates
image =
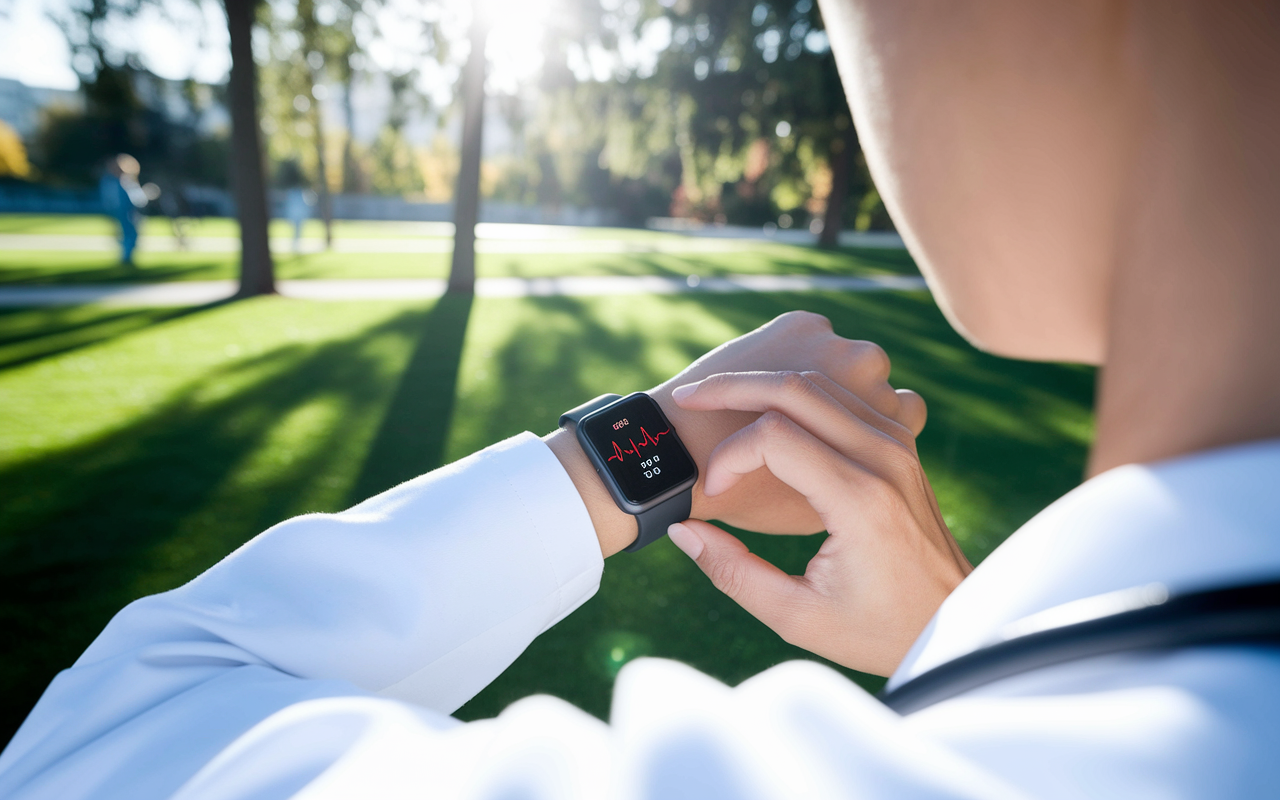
(33, 198)
(17, 198)
(207, 201)
(363, 206)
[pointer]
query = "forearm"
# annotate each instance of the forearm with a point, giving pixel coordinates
(424, 593)
(614, 528)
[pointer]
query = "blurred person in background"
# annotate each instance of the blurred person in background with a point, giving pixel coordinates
(297, 209)
(123, 199)
(298, 199)
(1093, 182)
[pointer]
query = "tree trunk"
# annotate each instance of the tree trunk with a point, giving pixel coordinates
(841, 165)
(466, 198)
(257, 273)
(350, 175)
(311, 44)
(322, 188)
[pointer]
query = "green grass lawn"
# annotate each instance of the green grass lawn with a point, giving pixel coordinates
(137, 447)
(99, 225)
(754, 257)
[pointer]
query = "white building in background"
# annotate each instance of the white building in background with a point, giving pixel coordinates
(20, 104)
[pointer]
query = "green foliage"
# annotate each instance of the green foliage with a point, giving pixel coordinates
(871, 213)
(318, 46)
(741, 117)
(393, 167)
(72, 145)
(13, 155)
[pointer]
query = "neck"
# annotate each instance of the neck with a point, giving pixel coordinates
(1193, 339)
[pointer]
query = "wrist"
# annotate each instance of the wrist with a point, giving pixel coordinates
(615, 528)
(700, 431)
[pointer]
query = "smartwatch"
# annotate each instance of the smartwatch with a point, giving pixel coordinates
(643, 463)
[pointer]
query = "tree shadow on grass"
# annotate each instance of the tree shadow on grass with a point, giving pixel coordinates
(109, 273)
(28, 335)
(769, 260)
(411, 439)
(150, 505)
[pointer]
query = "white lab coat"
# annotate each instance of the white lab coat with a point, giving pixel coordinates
(323, 658)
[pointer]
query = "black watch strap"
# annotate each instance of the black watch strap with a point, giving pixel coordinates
(569, 419)
(654, 522)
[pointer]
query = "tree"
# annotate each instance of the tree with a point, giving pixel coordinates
(759, 73)
(742, 113)
(311, 68)
(466, 200)
(257, 272)
(347, 67)
(393, 168)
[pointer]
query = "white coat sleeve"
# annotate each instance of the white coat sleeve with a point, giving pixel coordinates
(321, 660)
(424, 593)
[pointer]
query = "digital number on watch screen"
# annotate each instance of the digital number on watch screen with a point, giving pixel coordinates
(639, 448)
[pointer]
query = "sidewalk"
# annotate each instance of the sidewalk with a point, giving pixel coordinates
(523, 242)
(185, 293)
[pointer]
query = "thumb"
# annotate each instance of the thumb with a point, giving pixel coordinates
(766, 592)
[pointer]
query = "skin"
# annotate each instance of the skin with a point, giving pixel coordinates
(797, 340)
(1088, 181)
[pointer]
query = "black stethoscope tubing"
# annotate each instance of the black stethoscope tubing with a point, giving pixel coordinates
(1237, 615)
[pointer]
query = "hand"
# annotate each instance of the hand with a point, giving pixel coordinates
(797, 340)
(889, 561)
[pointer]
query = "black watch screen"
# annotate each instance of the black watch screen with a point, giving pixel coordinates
(639, 447)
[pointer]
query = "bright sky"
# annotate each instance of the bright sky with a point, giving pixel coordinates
(180, 38)
(191, 42)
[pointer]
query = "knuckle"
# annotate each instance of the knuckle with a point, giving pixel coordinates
(716, 382)
(794, 383)
(901, 460)
(873, 359)
(806, 320)
(820, 381)
(881, 492)
(773, 423)
(727, 576)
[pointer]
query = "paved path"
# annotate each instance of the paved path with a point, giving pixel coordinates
(185, 293)
(423, 245)
(163, 243)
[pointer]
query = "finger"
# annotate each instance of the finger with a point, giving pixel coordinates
(861, 409)
(801, 399)
(766, 592)
(794, 455)
(914, 412)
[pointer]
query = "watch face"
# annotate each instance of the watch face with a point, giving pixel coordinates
(639, 448)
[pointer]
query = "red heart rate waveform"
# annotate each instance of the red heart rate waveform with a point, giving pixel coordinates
(635, 448)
